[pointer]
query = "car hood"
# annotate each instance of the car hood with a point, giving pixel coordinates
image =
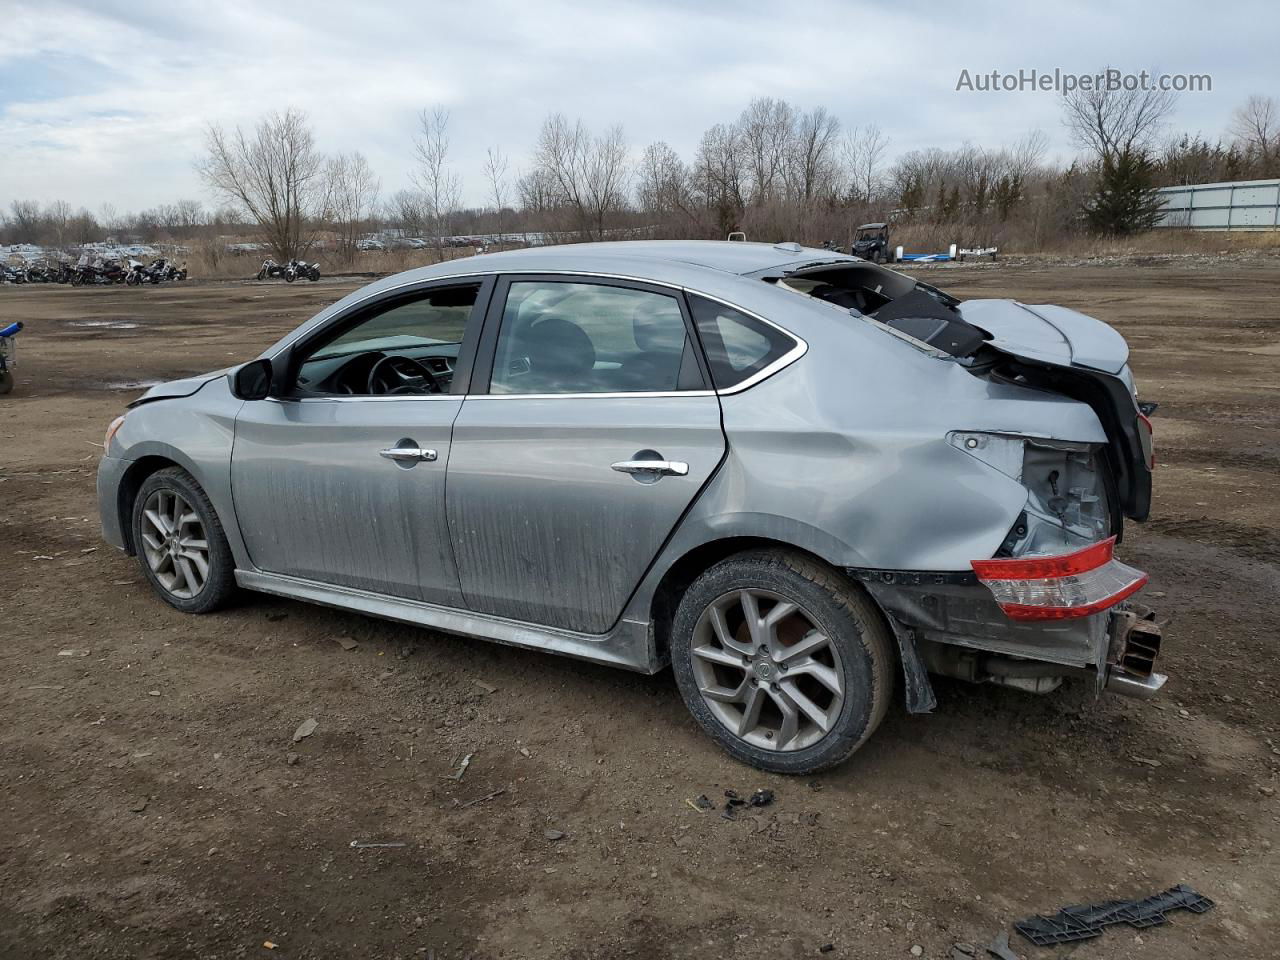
(180, 388)
(1048, 334)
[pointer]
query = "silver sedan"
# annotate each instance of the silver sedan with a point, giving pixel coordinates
(793, 476)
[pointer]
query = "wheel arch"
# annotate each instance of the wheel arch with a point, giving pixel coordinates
(127, 491)
(694, 562)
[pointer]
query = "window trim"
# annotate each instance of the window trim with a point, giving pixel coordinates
(482, 379)
(372, 306)
(799, 346)
(488, 281)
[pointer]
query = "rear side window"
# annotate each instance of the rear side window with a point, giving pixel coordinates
(738, 346)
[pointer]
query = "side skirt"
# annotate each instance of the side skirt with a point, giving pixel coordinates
(627, 645)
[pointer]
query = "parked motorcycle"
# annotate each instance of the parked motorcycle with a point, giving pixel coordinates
(290, 271)
(100, 271)
(10, 274)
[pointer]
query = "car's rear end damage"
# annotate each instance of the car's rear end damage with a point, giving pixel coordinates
(1051, 600)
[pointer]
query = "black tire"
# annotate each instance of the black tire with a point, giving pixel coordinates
(290, 277)
(840, 609)
(6, 382)
(220, 585)
(262, 275)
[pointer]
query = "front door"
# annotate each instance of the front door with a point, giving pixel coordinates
(596, 432)
(342, 479)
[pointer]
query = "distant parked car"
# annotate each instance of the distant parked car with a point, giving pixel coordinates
(788, 473)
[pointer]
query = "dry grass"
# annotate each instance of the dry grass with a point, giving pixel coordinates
(215, 263)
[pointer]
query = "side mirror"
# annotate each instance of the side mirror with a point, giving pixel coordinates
(252, 381)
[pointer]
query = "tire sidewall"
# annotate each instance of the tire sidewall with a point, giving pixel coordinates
(220, 581)
(764, 571)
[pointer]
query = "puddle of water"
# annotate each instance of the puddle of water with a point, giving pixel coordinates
(109, 324)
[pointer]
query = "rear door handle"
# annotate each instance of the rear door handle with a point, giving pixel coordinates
(666, 468)
(407, 454)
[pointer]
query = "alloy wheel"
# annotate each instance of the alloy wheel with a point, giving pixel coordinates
(766, 671)
(175, 544)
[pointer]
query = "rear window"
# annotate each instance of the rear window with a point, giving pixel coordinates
(738, 346)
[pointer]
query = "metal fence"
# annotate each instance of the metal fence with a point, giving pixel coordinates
(1242, 205)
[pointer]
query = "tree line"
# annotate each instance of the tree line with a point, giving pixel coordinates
(776, 172)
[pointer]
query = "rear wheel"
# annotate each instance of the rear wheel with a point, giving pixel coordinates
(782, 661)
(6, 382)
(181, 546)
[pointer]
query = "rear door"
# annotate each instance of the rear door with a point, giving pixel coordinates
(590, 429)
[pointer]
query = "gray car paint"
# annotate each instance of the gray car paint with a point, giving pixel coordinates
(315, 499)
(843, 453)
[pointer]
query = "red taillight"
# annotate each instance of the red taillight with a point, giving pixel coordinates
(1146, 436)
(1061, 587)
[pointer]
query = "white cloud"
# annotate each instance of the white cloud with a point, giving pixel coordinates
(107, 102)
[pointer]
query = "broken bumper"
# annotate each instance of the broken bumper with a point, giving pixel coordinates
(1132, 653)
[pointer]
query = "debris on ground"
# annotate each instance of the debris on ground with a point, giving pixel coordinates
(963, 951)
(826, 948)
(1145, 762)
(486, 687)
(553, 835)
(486, 797)
(373, 844)
(293, 759)
(462, 768)
(347, 643)
(524, 752)
(917, 950)
(139, 805)
(999, 947)
(268, 945)
(1085, 921)
(733, 802)
(75, 652)
(305, 729)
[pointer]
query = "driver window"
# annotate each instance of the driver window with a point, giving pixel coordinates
(408, 349)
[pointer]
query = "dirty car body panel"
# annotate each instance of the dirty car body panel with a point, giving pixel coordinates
(896, 447)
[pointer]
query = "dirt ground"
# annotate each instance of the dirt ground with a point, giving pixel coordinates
(154, 804)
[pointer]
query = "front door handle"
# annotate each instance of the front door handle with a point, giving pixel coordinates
(408, 454)
(666, 468)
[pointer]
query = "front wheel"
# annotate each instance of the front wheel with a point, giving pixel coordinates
(181, 546)
(782, 661)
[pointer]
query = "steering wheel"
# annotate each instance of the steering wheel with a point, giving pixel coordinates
(398, 374)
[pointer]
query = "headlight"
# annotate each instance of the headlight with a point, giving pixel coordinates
(112, 429)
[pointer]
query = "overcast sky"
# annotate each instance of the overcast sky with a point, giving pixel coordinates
(107, 102)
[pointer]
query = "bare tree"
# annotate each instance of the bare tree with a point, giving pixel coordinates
(274, 175)
(353, 195)
(406, 208)
(1256, 124)
(718, 177)
(589, 173)
(24, 215)
(441, 187)
(765, 130)
(495, 172)
(814, 166)
(665, 190)
(864, 152)
(1111, 122)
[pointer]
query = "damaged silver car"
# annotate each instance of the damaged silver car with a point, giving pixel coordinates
(792, 475)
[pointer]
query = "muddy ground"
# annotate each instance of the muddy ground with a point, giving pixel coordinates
(154, 804)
